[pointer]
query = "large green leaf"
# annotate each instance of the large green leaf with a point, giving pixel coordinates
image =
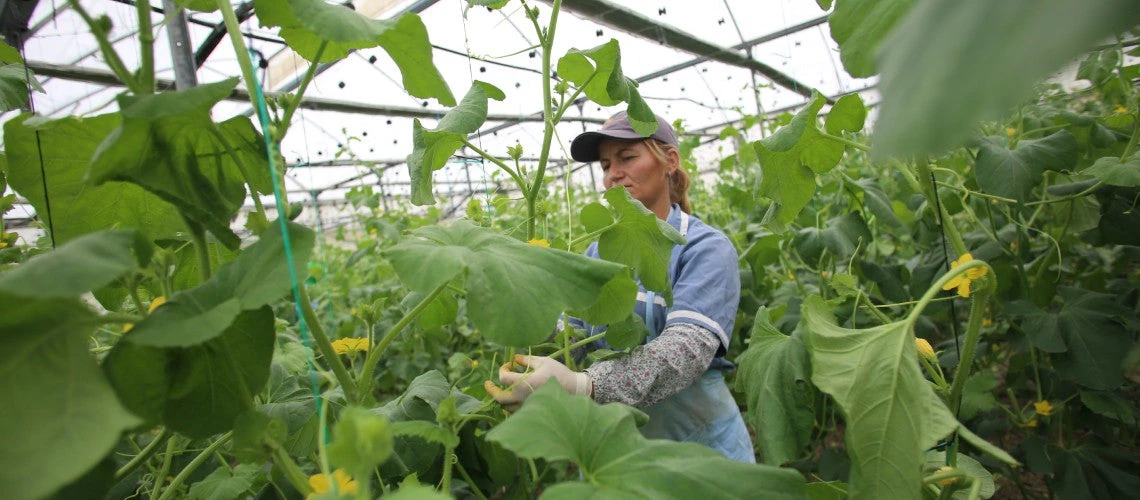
(627, 334)
(432, 148)
(840, 238)
(422, 398)
(616, 461)
(61, 417)
(775, 375)
(951, 64)
(256, 435)
(1114, 172)
(307, 24)
(259, 276)
(76, 207)
(361, 440)
(599, 70)
(635, 237)
(502, 273)
(225, 483)
(859, 26)
(168, 144)
(789, 160)
(84, 264)
(198, 390)
(1087, 335)
(14, 77)
(847, 115)
(1014, 173)
(892, 413)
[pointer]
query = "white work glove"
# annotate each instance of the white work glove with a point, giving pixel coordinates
(519, 386)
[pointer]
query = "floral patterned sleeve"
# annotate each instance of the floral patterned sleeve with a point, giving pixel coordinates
(656, 370)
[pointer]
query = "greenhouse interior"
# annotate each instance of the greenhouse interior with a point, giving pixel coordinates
(570, 249)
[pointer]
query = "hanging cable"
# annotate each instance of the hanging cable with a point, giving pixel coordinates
(39, 144)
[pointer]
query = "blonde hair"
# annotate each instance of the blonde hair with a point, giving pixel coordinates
(678, 179)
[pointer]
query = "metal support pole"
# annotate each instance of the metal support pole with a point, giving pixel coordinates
(178, 35)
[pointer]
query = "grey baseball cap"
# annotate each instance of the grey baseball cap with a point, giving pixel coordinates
(584, 148)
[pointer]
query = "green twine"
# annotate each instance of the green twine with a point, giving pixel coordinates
(271, 155)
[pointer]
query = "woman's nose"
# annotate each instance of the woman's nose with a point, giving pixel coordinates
(613, 174)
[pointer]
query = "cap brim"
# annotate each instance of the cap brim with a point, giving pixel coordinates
(584, 148)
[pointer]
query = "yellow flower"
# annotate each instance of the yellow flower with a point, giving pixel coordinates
(349, 345)
(986, 322)
(3, 243)
(372, 231)
(1031, 423)
(924, 349)
(1120, 109)
(1010, 131)
(1043, 408)
(539, 242)
(158, 301)
(344, 483)
(962, 281)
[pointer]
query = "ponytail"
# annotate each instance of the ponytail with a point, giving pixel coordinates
(678, 180)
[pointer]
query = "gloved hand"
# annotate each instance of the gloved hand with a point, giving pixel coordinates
(520, 386)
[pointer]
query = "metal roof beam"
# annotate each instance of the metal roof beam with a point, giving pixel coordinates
(93, 75)
(695, 61)
(243, 12)
(631, 22)
(740, 46)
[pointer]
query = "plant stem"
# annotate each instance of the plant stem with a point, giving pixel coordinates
(114, 317)
(1132, 142)
(911, 180)
(973, 334)
(567, 350)
(930, 190)
(843, 140)
(940, 476)
(193, 465)
(292, 473)
(376, 351)
(975, 193)
(445, 484)
(548, 118)
(233, 29)
(592, 234)
(295, 102)
(470, 482)
(146, 48)
(143, 455)
(514, 175)
(573, 97)
(114, 62)
(325, 345)
(1036, 372)
(1071, 197)
(171, 446)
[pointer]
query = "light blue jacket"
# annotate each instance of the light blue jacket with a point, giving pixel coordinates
(706, 293)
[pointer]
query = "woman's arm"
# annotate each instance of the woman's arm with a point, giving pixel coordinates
(656, 370)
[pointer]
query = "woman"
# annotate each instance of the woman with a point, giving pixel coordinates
(676, 376)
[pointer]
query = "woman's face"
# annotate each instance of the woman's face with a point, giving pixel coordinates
(633, 165)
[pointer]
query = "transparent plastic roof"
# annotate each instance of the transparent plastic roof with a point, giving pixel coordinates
(705, 96)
